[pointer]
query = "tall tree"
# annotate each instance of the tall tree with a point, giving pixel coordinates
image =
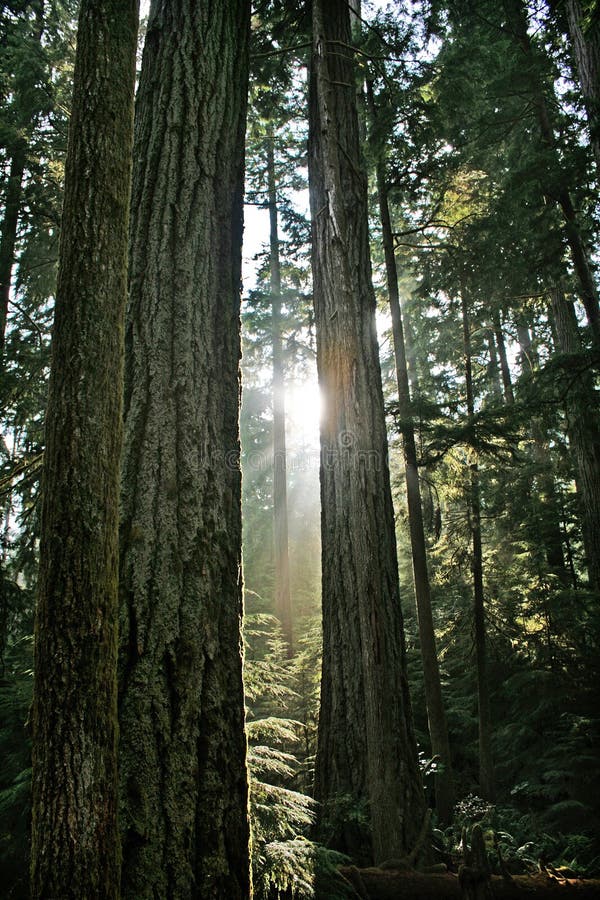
(183, 771)
(583, 428)
(486, 768)
(584, 28)
(16, 139)
(75, 840)
(555, 184)
(283, 602)
(436, 714)
(366, 747)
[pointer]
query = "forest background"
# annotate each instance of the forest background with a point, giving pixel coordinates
(481, 133)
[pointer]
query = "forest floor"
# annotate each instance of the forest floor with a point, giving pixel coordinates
(379, 884)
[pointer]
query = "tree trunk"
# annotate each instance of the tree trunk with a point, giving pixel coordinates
(14, 188)
(436, 715)
(543, 496)
(583, 432)
(366, 753)
(8, 237)
(493, 371)
(486, 765)
(182, 749)
(509, 395)
(75, 840)
(585, 40)
(283, 603)
(558, 189)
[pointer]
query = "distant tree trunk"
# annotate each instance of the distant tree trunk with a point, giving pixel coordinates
(559, 192)
(8, 234)
(283, 603)
(366, 747)
(527, 353)
(494, 369)
(75, 839)
(585, 40)
(14, 188)
(182, 749)
(544, 492)
(486, 765)
(436, 715)
(583, 432)
(509, 395)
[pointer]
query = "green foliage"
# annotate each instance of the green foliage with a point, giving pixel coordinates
(286, 863)
(15, 778)
(473, 194)
(526, 840)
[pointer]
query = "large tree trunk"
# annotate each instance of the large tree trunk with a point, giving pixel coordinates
(283, 602)
(436, 715)
(183, 750)
(584, 433)
(75, 840)
(486, 765)
(585, 40)
(366, 753)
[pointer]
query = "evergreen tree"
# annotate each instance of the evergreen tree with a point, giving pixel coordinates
(182, 749)
(438, 730)
(366, 757)
(283, 601)
(75, 840)
(583, 22)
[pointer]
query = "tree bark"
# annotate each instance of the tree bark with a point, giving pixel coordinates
(584, 434)
(509, 395)
(8, 236)
(486, 765)
(543, 495)
(366, 754)
(75, 840)
(436, 714)
(182, 749)
(585, 41)
(283, 602)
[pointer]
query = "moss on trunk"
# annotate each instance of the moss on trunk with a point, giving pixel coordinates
(184, 781)
(75, 840)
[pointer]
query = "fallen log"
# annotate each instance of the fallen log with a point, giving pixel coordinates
(387, 884)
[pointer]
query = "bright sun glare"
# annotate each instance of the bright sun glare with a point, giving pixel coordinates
(303, 409)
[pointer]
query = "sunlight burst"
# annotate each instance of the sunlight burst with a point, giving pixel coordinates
(304, 406)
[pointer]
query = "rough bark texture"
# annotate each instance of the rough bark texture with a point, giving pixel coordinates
(366, 748)
(486, 766)
(584, 433)
(436, 714)
(283, 601)
(183, 749)
(585, 40)
(75, 842)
